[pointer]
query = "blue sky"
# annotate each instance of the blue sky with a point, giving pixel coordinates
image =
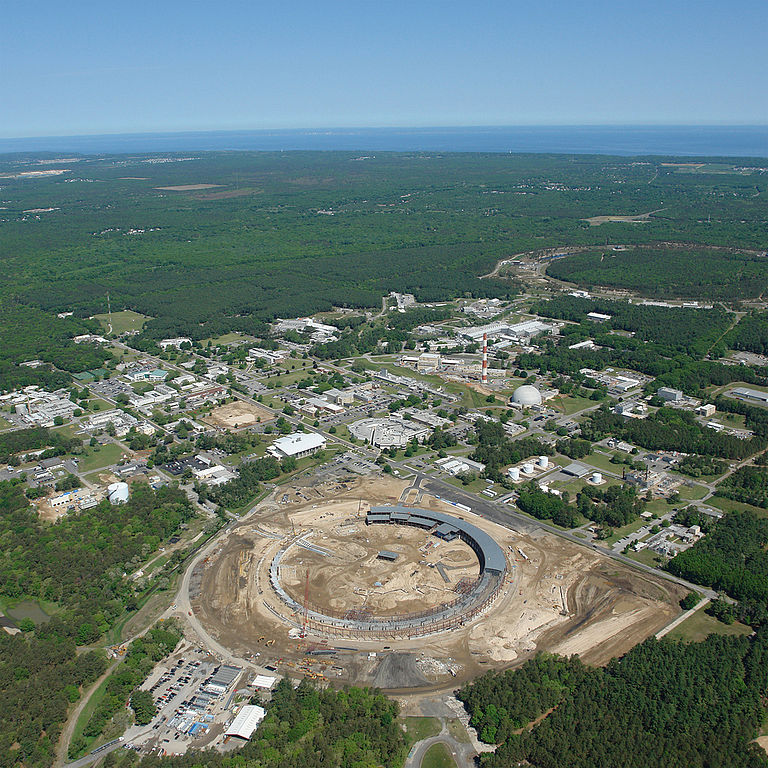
(96, 67)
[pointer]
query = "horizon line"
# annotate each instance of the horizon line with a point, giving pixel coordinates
(353, 128)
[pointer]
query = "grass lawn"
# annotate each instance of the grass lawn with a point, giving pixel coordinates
(458, 731)
(602, 462)
(227, 338)
(729, 505)
(122, 322)
(697, 626)
(97, 404)
(438, 756)
(646, 557)
(690, 493)
(620, 533)
(571, 404)
(420, 728)
(107, 455)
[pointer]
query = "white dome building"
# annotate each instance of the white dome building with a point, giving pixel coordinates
(526, 396)
(118, 493)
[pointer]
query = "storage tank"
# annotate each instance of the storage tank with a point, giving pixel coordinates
(528, 468)
(597, 478)
(543, 462)
(514, 473)
(118, 493)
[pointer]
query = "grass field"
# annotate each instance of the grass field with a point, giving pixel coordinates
(646, 557)
(690, 493)
(729, 505)
(123, 322)
(569, 405)
(602, 462)
(620, 533)
(699, 625)
(419, 728)
(107, 455)
(438, 756)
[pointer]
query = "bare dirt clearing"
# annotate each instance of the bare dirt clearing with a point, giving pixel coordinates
(609, 607)
(238, 414)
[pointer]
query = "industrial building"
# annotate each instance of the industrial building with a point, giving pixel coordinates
(670, 395)
(246, 722)
(297, 446)
(389, 432)
(520, 332)
(753, 395)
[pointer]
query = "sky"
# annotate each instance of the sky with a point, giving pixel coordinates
(91, 67)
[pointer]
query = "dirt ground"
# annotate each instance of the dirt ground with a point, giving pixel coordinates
(238, 414)
(609, 607)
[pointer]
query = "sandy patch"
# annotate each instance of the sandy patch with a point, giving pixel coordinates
(238, 414)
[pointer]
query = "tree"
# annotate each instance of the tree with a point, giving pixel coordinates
(143, 707)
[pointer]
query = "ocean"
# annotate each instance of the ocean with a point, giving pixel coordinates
(686, 141)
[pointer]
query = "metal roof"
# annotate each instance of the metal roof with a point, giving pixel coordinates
(491, 554)
(246, 722)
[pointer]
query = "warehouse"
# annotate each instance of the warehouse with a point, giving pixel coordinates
(246, 722)
(743, 393)
(297, 445)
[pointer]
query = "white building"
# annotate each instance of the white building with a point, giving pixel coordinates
(297, 445)
(246, 722)
(165, 343)
(670, 395)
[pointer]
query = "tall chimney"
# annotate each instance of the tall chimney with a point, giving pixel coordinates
(484, 376)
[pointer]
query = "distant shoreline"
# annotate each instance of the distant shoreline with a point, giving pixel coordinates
(665, 141)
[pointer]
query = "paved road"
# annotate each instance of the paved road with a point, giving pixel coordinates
(463, 753)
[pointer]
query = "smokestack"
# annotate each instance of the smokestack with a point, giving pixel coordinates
(484, 376)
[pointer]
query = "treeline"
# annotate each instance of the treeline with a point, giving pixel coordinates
(732, 558)
(496, 450)
(677, 370)
(547, 506)
(27, 333)
(681, 329)
(615, 506)
(141, 656)
(305, 728)
(246, 485)
(663, 704)
(670, 429)
(41, 674)
(78, 562)
(668, 272)
(746, 484)
(751, 334)
(34, 439)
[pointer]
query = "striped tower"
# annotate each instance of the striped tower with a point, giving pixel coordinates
(484, 376)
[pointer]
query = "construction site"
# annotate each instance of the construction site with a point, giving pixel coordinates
(343, 582)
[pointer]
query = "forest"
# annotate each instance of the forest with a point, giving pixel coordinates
(288, 234)
(747, 484)
(76, 564)
(731, 558)
(670, 429)
(700, 273)
(664, 703)
(305, 728)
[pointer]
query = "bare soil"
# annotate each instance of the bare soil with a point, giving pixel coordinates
(609, 607)
(238, 414)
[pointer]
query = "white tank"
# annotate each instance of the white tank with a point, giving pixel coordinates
(597, 478)
(528, 468)
(118, 493)
(543, 461)
(514, 473)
